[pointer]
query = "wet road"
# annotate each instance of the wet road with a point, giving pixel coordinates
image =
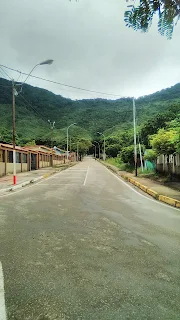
(85, 245)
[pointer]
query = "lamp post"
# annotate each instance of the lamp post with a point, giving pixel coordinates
(104, 152)
(15, 93)
(135, 140)
(52, 125)
(94, 149)
(67, 154)
(77, 151)
(99, 148)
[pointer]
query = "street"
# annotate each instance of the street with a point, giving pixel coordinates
(83, 244)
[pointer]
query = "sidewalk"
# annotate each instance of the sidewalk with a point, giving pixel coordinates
(25, 178)
(157, 187)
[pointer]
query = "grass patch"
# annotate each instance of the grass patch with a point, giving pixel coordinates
(120, 165)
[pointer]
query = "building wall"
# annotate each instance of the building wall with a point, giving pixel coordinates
(173, 166)
(24, 167)
(57, 162)
(44, 164)
(2, 168)
(10, 167)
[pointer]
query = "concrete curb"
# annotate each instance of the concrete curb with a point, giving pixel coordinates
(26, 183)
(152, 193)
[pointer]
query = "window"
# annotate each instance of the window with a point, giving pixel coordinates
(2, 156)
(10, 156)
(18, 157)
(24, 158)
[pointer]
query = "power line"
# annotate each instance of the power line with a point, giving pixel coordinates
(30, 104)
(3, 86)
(62, 84)
(5, 73)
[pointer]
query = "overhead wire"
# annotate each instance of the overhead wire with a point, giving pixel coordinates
(63, 84)
(32, 107)
(5, 73)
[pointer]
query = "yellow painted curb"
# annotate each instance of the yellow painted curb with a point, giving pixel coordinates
(153, 193)
(137, 184)
(46, 175)
(131, 180)
(143, 188)
(177, 204)
(168, 200)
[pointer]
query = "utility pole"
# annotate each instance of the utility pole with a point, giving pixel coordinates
(15, 93)
(70, 144)
(14, 133)
(104, 152)
(99, 148)
(94, 150)
(52, 125)
(67, 151)
(135, 143)
(77, 151)
(140, 153)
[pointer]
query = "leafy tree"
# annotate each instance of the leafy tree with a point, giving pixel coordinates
(5, 136)
(150, 155)
(151, 126)
(140, 17)
(164, 142)
(31, 143)
(127, 154)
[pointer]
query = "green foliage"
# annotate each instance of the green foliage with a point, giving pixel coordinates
(31, 143)
(164, 142)
(112, 117)
(83, 146)
(150, 155)
(140, 17)
(127, 154)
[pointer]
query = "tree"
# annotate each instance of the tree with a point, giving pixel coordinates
(150, 155)
(164, 142)
(31, 143)
(5, 136)
(127, 154)
(140, 17)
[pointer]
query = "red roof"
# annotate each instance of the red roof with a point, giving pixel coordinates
(10, 146)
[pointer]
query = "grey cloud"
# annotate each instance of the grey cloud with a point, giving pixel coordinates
(90, 44)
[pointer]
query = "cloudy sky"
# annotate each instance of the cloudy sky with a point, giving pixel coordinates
(90, 45)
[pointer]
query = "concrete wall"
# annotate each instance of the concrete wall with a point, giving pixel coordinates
(44, 164)
(24, 167)
(57, 162)
(10, 167)
(2, 168)
(173, 166)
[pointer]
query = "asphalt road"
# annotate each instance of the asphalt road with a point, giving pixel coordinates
(85, 245)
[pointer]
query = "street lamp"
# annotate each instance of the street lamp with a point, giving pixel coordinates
(99, 148)
(15, 93)
(48, 61)
(94, 149)
(73, 124)
(104, 153)
(135, 140)
(52, 125)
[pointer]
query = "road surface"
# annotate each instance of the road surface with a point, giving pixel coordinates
(85, 245)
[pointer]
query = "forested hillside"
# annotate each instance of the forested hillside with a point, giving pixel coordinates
(34, 106)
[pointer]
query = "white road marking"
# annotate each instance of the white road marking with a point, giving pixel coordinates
(59, 184)
(31, 186)
(75, 170)
(140, 194)
(2, 299)
(86, 177)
